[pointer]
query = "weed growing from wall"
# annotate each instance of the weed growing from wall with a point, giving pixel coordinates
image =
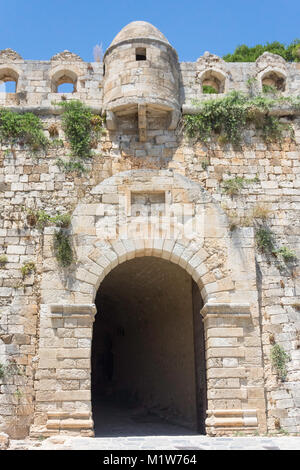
(279, 359)
(233, 186)
(11, 369)
(70, 166)
(286, 253)
(27, 268)
(41, 219)
(63, 249)
(3, 260)
(82, 129)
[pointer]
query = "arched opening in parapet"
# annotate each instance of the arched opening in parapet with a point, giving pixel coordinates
(8, 81)
(64, 81)
(148, 354)
(212, 82)
(273, 82)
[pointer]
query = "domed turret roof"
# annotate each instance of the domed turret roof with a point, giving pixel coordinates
(139, 30)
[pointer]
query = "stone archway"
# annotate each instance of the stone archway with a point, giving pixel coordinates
(148, 353)
(160, 214)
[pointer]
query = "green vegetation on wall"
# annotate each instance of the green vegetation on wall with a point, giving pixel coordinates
(63, 249)
(230, 115)
(82, 129)
(279, 359)
(22, 129)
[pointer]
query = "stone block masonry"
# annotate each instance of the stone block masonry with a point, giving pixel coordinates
(144, 166)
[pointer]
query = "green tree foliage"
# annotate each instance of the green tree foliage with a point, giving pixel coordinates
(243, 53)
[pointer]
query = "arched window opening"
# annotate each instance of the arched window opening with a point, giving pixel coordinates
(8, 81)
(212, 82)
(65, 88)
(64, 82)
(10, 86)
(273, 81)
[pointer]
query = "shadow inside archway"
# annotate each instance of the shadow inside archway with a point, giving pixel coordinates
(148, 366)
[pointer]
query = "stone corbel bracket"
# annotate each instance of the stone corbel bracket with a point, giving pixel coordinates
(74, 311)
(111, 121)
(175, 116)
(226, 309)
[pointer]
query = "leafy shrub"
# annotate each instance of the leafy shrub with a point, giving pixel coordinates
(43, 219)
(234, 185)
(279, 359)
(27, 268)
(265, 239)
(269, 90)
(286, 253)
(62, 220)
(76, 123)
(26, 129)
(70, 166)
(3, 259)
(209, 90)
(62, 248)
(230, 115)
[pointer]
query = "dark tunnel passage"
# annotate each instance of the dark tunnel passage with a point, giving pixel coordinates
(148, 354)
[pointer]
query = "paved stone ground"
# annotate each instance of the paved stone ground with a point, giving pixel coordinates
(180, 443)
(122, 428)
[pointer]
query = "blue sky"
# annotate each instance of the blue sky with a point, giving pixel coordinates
(38, 29)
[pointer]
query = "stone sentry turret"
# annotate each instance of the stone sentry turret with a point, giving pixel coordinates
(141, 76)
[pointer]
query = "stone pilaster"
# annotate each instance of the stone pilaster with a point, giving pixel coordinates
(63, 382)
(235, 388)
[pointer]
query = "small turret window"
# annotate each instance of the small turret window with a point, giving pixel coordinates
(140, 53)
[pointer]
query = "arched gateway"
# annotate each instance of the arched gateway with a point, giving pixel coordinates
(148, 214)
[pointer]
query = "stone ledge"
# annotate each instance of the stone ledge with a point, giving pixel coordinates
(225, 309)
(284, 111)
(231, 418)
(73, 310)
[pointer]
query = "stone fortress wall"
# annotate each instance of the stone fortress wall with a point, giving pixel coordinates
(145, 149)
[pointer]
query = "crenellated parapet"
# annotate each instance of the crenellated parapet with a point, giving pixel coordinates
(140, 78)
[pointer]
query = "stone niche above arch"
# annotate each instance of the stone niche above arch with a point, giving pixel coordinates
(155, 211)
